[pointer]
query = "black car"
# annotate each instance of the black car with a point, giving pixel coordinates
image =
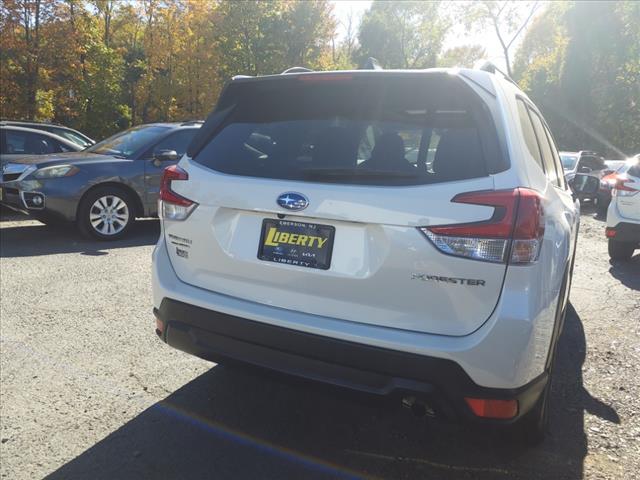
(103, 188)
(65, 132)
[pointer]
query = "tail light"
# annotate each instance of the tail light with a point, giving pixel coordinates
(513, 234)
(172, 205)
(621, 189)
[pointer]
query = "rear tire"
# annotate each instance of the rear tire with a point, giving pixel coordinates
(106, 213)
(620, 250)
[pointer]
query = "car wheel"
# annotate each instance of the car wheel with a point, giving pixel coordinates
(620, 250)
(106, 213)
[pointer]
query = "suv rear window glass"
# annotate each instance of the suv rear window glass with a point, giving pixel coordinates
(392, 131)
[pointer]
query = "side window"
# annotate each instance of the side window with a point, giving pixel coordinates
(545, 148)
(15, 141)
(529, 134)
(556, 159)
(178, 141)
(61, 147)
(3, 142)
(37, 144)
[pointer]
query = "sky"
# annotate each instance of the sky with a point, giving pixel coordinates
(459, 37)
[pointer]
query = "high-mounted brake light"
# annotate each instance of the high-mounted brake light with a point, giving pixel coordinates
(325, 77)
(172, 205)
(514, 233)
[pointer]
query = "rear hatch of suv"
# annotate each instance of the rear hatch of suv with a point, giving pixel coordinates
(627, 193)
(311, 192)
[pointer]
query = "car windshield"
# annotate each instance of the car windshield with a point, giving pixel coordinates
(569, 161)
(73, 137)
(126, 143)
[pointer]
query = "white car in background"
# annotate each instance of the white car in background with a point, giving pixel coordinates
(299, 236)
(623, 214)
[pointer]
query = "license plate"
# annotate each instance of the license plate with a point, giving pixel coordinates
(296, 243)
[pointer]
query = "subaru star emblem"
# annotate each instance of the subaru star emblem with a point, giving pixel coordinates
(293, 201)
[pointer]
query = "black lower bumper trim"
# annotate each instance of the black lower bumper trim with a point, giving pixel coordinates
(627, 232)
(443, 383)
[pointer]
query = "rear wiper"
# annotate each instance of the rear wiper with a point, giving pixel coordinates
(356, 172)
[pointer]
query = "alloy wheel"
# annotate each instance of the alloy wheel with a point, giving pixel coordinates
(109, 215)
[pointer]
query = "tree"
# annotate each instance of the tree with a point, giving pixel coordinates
(588, 89)
(403, 34)
(342, 53)
(508, 18)
(464, 56)
(256, 37)
(21, 37)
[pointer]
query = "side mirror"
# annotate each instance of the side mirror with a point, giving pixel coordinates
(585, 170)
(165, 156)
(585, 184)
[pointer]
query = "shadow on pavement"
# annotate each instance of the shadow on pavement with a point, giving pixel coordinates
(234, 424)
(31, 239)
(592, 210)
(627, 272)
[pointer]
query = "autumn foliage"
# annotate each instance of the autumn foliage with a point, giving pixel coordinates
(103, 65)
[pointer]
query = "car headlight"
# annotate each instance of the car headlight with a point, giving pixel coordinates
(56, 171)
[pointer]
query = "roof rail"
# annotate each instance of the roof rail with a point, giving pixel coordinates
(489, 66)
(371, 64)
(191, 122)
(297, 70)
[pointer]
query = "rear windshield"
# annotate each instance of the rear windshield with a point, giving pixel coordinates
(348, 130)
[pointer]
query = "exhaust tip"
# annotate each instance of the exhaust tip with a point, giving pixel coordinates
(418, 407)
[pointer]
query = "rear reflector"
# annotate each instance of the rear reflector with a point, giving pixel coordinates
(488, 408)
(514, 233)
(610, 232)
(159, 326)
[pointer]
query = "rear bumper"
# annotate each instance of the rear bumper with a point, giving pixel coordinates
(218, 336)
(625, 232)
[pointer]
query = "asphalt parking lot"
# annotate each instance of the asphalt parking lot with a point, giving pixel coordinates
(88, 391)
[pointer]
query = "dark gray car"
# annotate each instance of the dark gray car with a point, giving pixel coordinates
(103, 188)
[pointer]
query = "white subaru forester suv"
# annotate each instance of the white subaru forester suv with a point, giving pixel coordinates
(623, 214)
(404, 233)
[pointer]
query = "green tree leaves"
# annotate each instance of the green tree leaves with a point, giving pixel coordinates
(580, 62)
(403, 34)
